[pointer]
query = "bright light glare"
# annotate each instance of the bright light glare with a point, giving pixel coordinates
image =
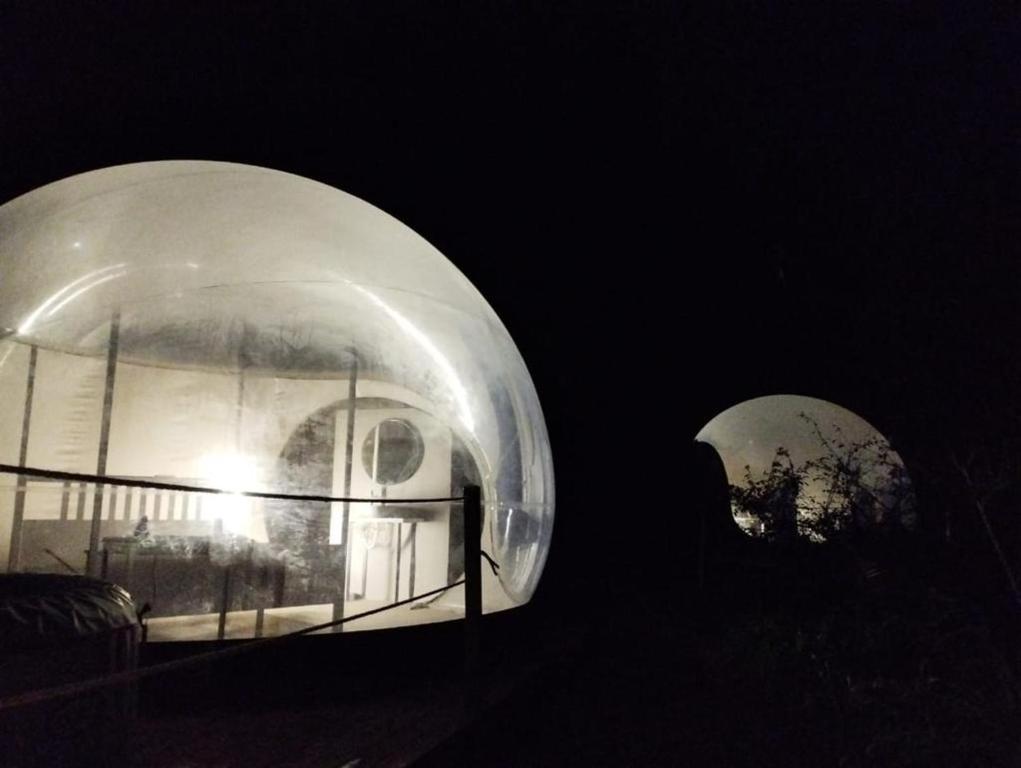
(228, 471)
(235, 473)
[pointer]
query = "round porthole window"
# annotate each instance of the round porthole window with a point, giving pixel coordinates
(392, 451)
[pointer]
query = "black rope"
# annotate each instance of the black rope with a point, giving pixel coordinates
(130, 676)
(495, 566)
(52, 474)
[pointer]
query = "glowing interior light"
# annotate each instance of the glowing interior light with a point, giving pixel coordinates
(234, 473)
(228, 471)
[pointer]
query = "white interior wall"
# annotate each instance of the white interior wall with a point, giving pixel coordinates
(431, 480)
(67, 409)
(166, 422)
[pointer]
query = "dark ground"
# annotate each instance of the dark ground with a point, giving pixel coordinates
(906, 674)
(782, 659)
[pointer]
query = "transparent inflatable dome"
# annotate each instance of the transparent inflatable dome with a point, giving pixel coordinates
(805, 466)
(214, 325)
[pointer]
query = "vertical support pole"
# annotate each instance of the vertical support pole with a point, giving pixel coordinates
(260, 621)
(472, 592)
(221, 626)
(345, 546)
(129, 500)
(65, 500)
(239, 423)
(93, 563)
(411, 562)
(14, 558)
(397, 574)
(79, 508)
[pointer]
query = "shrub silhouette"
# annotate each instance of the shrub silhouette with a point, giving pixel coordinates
(852, 487)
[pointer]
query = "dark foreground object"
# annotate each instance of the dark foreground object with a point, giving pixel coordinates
(382, 698)
(56, 630)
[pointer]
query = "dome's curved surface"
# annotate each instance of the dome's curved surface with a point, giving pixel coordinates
(820, 465)
(237, 303)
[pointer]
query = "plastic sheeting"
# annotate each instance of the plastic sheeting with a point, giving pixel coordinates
(226, 326)
(38, 610)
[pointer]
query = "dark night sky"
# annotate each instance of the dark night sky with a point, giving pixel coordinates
(635, 188)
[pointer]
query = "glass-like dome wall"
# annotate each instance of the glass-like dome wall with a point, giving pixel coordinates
(803, 466)
(220, 325)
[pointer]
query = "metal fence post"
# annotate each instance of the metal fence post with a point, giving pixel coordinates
(472, 592)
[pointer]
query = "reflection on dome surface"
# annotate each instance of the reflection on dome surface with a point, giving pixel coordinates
(234, 327)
